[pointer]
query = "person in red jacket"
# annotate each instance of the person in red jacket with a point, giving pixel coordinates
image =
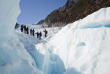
(45, 31)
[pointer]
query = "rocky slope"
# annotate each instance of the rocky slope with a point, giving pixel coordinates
(40, 22)
(74, 10)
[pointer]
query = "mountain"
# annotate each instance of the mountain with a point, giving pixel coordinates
(74, 10)
(40, 22)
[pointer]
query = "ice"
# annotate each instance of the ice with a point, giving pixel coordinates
(32, 45)
(71, 71)
(7, 8)
(107, 25)
(84, 44)
(53, 64)
(81, 44)
(96, 20)
(81, 47)
(92, 25)
(35, 26)
(14, 59)
(29, 43)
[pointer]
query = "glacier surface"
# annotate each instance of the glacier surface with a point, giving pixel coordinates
(14, 58)
(81, 47)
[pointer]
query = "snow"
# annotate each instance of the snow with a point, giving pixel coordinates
(84, 44)
(71, 71)
(31, 44)
(14, 58)
(96, 20)
(34, 26)
(5, 14)
(81, 47)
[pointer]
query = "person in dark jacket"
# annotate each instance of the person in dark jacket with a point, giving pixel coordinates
(45, 31)
(30, 31)
(27, 29)
(33, 32)
(21, 28)
(37, 34)
(40, 35)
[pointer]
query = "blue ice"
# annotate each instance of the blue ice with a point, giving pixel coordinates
(72, 71)
(91, 25)
(81, 44)
(107, 25)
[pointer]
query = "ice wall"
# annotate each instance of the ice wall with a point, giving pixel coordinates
(84, 45)
(9, 11)
(14, 59)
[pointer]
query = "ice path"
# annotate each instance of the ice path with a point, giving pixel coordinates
(53, 64)
(49, 62)
(29, 44)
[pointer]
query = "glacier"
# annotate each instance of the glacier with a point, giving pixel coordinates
(81, 47)
(14, 59)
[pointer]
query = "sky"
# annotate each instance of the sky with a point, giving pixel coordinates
(32, 11)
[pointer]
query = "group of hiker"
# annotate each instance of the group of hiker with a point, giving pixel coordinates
(32, 32)
(25, 29)
(39, 35)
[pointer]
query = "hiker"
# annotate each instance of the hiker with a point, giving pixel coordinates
(27, 29)
(45, 31)
(22, 28)
(37, 34)
(30, 31)
(33, 32)
(40, 35)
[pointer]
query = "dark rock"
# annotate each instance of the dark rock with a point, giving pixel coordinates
(74, 10)
(40, 22)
